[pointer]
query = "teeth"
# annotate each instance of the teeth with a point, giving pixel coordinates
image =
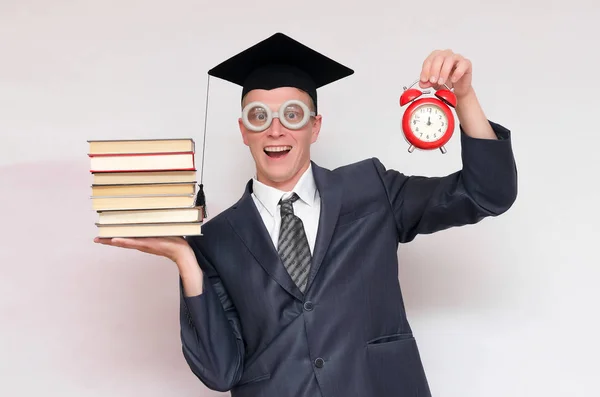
(277, 148)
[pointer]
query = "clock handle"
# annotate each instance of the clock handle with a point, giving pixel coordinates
(416, 81)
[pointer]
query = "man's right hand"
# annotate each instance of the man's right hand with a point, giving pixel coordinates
(169, 247)
(175, 248)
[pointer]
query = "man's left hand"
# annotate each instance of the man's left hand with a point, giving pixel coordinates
(446, 67)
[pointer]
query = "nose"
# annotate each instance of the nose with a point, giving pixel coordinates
(275, 129)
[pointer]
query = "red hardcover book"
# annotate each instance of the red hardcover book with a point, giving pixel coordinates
(142, 162)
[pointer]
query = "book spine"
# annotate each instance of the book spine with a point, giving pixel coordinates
(136, 154)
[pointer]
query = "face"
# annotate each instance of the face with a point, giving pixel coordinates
(281, 154)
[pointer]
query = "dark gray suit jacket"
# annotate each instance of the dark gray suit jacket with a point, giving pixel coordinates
(253, 332)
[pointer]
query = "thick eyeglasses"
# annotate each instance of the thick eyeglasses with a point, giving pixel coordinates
(293, 114)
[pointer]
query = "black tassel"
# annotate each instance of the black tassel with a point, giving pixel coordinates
(201, 200)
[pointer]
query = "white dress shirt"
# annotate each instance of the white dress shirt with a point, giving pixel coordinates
(307, 207)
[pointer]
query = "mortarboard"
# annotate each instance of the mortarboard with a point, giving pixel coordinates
(280, 61)
(277, 61)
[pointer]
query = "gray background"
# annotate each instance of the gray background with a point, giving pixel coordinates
(504, 308)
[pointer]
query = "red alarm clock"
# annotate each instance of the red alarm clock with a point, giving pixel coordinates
(428, 122)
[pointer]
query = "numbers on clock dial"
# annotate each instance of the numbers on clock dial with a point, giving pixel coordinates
(429, 123)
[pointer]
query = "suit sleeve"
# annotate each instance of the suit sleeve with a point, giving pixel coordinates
(211, 334)
(485, 186)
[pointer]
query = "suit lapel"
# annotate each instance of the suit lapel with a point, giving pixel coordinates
(247, 223)
(331, 199)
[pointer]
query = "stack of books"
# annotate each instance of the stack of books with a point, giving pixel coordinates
(145, 188)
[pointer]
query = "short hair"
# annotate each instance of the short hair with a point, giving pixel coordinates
(311, 103)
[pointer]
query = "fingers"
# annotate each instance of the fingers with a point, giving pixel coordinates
(121, 242)
(462, 67)
(426, 69)
(435, 67)
(128, 243)
(448, 65)
(168, 247)
(105, 241)
(443, 67)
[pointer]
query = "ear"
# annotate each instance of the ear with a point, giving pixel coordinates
(316, 128)
(243, 131)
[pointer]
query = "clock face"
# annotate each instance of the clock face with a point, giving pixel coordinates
(429, 123)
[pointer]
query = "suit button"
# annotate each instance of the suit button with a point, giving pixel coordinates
(308, 306)
(319, 362)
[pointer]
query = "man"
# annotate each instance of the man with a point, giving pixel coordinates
(293, 291)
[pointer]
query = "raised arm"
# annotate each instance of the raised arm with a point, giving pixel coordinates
(487, 183)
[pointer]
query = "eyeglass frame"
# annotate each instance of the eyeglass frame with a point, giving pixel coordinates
(275, 115)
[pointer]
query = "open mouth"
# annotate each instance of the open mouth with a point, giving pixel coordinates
(277, 152)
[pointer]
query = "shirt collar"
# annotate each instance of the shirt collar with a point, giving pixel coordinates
(269, 196)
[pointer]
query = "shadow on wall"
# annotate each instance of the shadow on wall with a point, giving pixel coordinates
(79, 316)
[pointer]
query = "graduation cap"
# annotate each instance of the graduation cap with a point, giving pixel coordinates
(277, 61)
(280, 61)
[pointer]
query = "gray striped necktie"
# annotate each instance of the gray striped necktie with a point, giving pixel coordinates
(293, 245)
